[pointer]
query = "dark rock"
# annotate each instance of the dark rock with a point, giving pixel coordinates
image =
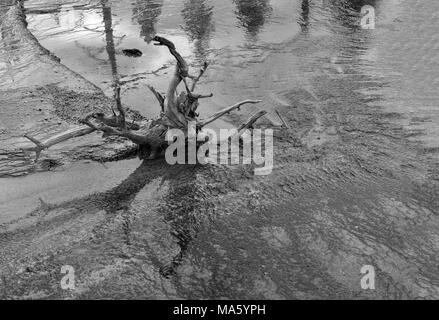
(134, 53)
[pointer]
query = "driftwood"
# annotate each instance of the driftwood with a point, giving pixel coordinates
(177, 109)
(64, 136)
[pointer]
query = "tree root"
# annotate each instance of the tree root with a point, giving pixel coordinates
(177, 109)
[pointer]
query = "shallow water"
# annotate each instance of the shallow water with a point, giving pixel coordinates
(202, 30)
(361, 188)
(398, 54)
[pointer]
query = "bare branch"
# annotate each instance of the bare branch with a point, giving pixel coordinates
(111, 131)
(250, 122)
(224, 111)
(186, 86)
(201, 96)
(158, 96)
(182, 65)
(181, 71)
(284, 124)
(61, 137)
(202, 70)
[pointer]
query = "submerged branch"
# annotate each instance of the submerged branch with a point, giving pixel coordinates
(251, 121)
(224, 111)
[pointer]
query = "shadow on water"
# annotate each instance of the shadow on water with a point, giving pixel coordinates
(181, 209)
(109, 38)
(178, 204)
(198, 24)
(181, 205)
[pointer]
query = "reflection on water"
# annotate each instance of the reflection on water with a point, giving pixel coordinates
(182, 202)
(357, 4)
(146, 13)
(198, 23)
(252, 14)
(304, 16)
(111, 51)
(183, 219)
(109, 38)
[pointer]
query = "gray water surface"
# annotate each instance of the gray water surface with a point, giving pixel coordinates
(357, 185)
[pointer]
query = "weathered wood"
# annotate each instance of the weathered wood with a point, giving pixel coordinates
(177, 110)
(251, 121)
(61, 137)
(225, 111)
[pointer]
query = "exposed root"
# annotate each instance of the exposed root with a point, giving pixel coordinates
(177, 109)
